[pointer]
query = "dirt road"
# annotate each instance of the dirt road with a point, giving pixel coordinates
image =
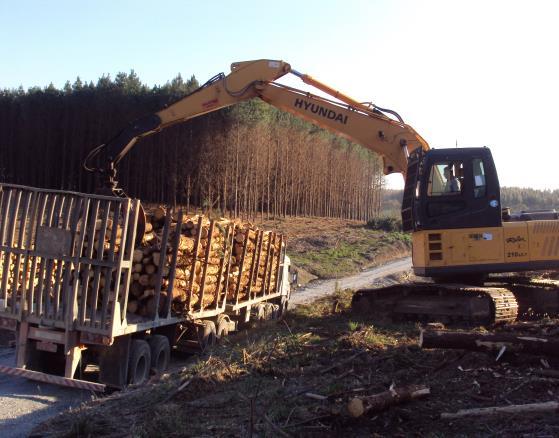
(24, 403)
(364, 279)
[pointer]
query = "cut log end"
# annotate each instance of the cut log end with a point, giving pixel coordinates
(355, 407)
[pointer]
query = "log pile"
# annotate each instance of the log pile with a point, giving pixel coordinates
(95, 240)
(216, 259)
(254, 263)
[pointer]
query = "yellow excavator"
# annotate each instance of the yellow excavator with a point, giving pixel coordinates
(451, 203)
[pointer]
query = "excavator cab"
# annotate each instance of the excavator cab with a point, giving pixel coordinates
(451, 188)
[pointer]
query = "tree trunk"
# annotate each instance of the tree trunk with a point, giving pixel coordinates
(489, 342)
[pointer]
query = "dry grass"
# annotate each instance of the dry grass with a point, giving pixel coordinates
(257, 383)
(333, 248)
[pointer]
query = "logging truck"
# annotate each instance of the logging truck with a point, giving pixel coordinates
(93, 305)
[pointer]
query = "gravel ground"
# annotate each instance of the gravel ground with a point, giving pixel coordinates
(25, 403)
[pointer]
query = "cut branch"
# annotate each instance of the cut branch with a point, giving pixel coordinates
(357, 406)
(530, 408)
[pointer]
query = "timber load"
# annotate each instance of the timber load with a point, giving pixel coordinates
(215, 261)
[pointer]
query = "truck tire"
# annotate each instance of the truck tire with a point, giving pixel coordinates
(80, 370)
(272, 311)
(275, 311)
(160, 353)
(283, 306)
(139, 362)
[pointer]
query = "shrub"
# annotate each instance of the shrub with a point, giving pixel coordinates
(385, 223)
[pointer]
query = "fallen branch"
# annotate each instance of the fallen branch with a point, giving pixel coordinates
(448, 362)
(480, 397)
(357, 406)
(489, 342)
(308, 420)
(315, 396)
(548, 373)
(344, 374)
(276, 428)
(530, 408)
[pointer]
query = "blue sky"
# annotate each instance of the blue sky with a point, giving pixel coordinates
(473, 72)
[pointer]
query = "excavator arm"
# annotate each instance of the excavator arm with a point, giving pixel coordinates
(391, 139)
(365, 124)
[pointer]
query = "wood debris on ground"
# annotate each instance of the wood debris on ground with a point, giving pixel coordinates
(304, 375)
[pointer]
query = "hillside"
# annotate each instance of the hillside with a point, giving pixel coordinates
(333, 248)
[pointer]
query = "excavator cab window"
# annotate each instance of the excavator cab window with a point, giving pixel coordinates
(446, 179)
(480, 186)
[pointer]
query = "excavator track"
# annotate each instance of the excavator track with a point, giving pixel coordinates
(536, 297)
(447, 303)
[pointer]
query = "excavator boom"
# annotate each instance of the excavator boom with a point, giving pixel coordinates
(365, 124)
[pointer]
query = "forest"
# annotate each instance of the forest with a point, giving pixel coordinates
(247, 160)
(517, 198)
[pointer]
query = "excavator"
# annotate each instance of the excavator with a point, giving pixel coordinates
(451, 202)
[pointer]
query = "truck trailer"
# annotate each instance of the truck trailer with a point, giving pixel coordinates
(66, 270)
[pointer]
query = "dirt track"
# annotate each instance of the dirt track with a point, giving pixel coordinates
(363, 279)
(24, 403)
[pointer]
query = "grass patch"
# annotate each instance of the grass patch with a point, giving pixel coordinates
(348, 257)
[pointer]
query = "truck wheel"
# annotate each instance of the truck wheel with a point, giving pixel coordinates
(139, 362)
(160, 353)
(80, 371)
(274, 311)
(283, 305)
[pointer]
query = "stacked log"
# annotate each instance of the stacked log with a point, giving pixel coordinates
(201, 258)
(254, 263)
(215, 259)
(99, 246)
